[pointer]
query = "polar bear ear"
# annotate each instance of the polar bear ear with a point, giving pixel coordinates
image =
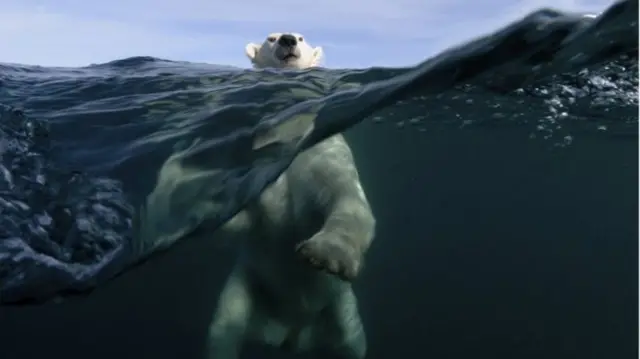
(252, 50)
(318, 56)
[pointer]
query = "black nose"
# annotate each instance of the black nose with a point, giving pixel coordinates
(287, 40)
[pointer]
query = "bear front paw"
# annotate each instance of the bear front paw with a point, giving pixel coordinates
(332, 255)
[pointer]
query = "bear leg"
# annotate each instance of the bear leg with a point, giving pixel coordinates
(231, 318)
(342, 330)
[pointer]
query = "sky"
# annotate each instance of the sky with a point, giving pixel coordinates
(353, 33)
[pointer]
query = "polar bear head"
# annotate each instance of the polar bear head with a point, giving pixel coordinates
(284, 50)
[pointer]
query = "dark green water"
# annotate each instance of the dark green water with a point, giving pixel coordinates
(505, 186)
(495, 246)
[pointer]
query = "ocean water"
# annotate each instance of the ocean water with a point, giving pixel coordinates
(106, 166)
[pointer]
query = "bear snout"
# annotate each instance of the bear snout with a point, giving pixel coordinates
(287, 40)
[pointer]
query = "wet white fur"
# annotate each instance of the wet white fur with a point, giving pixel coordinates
(263, 55)
(272, 295)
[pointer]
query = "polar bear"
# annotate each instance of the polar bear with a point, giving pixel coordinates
(301, 244)
(284, 50)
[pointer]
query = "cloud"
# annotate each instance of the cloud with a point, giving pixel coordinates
(355, 33)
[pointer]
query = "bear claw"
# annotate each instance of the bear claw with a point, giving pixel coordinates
(330, 255)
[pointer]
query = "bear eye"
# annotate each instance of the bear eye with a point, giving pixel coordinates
(271, 38)
(301, 39)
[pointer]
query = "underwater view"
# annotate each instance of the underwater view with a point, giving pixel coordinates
(502, 173)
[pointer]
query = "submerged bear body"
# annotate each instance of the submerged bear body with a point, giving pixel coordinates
(301, 243)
